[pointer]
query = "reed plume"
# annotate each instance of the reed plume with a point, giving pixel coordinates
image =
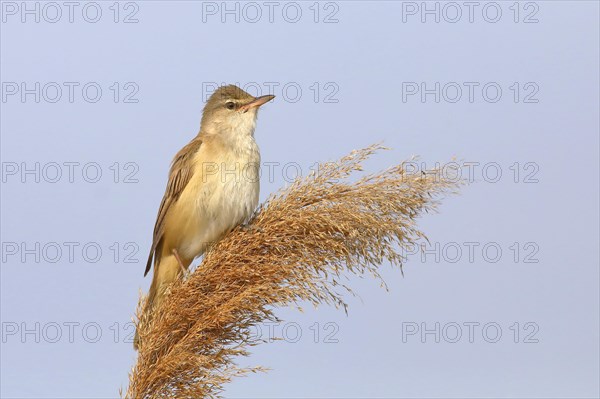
(298, 247)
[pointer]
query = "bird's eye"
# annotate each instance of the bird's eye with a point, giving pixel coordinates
(230, 105)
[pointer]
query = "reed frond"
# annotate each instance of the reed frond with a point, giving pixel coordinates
(298, 247)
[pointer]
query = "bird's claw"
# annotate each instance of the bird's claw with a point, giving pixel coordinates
(251, 228)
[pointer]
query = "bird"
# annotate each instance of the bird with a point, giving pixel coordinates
(213, 186)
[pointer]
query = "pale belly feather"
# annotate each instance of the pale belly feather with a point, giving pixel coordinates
(218, 201)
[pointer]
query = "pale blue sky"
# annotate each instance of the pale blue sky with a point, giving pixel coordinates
(363, 68)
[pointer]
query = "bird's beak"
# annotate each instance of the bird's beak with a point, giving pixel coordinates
(257, 102)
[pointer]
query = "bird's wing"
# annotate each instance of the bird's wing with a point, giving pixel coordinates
(179, 176)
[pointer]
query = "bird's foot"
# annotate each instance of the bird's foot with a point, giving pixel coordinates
(184, 270)
(251, 228)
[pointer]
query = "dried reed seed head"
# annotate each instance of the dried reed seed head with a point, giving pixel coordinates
(305, 239)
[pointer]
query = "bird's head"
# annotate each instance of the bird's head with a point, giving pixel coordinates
(231, 111)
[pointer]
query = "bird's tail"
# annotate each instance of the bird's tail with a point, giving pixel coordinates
(166, 271)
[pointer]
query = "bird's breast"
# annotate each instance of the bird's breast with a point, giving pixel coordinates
(223, 192)
(232, 182)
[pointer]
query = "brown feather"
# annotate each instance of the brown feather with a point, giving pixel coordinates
(180, 174)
